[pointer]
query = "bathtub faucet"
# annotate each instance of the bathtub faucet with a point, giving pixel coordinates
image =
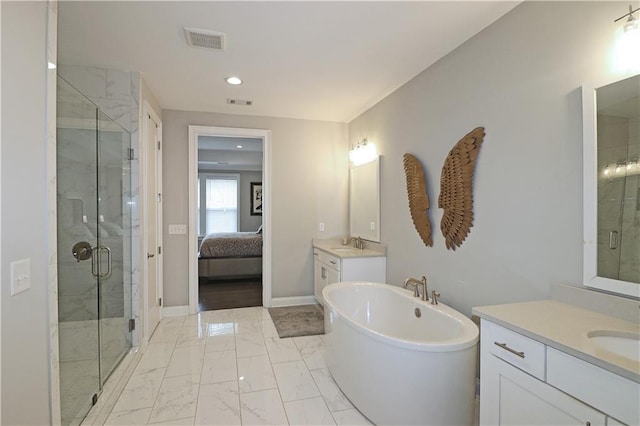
(417, 283)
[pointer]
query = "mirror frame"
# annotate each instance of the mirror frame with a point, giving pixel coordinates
(590, 196)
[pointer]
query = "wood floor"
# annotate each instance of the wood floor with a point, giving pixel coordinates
(228, 294)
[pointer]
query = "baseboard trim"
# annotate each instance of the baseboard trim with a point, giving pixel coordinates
(292, 301)
(175, 311)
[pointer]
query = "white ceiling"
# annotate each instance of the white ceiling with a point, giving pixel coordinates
(222, 153)
(324, 60)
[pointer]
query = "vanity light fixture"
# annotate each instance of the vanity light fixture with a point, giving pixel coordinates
(363, 152)
(233, 80)
(628, 43)
(624, 168)
(632, 22)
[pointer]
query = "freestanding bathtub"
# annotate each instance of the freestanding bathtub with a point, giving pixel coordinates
(395, 367)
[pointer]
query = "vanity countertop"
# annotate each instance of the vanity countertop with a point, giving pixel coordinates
(565, 327)
(335, 248)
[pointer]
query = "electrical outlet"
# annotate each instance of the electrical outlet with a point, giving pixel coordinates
(321, 227)
(20, 276)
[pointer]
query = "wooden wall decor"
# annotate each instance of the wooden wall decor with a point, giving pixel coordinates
(456, 188)
(418, 198)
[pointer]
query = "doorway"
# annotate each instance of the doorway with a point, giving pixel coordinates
(229, 238)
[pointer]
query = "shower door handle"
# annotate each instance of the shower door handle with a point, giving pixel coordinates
(96, 262)
(613, 240)
(109, 263)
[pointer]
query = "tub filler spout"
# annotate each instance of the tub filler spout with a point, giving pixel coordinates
(417, 283)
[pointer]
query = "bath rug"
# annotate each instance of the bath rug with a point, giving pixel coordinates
(295, 321)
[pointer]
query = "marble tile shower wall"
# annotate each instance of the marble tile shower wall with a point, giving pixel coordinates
(117, 94)
(619, 207)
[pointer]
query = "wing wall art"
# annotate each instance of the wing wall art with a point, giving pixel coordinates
(456, 188)
(418, 198)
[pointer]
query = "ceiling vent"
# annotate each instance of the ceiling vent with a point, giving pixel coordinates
(239, 102)
(207, 39)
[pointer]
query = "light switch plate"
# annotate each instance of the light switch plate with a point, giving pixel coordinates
(177, 229)
(372, 226)
(20, 276)
(321, 227)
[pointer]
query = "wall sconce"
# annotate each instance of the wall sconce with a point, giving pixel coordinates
(628, 43)
(363, 152)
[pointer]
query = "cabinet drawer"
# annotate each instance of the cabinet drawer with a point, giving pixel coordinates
(610, 393)
(328, 259)
(516, 349)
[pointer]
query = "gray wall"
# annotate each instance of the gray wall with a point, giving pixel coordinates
(309, 185)
(521, 79)
(25, 316)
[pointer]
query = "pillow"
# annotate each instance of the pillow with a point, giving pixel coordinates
(259, 231)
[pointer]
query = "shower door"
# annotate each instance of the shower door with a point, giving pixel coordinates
(94, 249)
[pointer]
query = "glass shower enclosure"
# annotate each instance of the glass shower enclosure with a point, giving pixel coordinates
(94, 249)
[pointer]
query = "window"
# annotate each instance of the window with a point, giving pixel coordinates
(219, 196)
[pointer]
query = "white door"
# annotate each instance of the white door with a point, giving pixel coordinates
(153, 223)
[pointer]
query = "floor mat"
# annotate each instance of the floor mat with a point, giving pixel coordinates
(294, 321)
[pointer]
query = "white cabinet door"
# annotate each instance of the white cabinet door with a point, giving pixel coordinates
(524, 400)
(333, 276)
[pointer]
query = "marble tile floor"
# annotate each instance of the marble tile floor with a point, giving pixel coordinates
(229, 367)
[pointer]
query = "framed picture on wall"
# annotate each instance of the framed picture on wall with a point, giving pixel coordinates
(256, 198)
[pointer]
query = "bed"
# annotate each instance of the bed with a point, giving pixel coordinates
(230, 255)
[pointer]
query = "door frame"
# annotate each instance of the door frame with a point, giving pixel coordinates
(265, 135)
(148, 111)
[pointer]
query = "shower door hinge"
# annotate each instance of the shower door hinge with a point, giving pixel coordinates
(131, 154)
(132, 325)
(94, 399)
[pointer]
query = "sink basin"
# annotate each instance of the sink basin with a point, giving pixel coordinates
(617, 342)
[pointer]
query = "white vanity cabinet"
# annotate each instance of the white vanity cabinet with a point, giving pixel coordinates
(525, 382)
(329, 268)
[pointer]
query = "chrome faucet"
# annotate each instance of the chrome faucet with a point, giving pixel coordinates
(417, 283)
(357, 242)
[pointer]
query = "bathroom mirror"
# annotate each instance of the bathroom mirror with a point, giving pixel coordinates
(611, 121)
(364, 200)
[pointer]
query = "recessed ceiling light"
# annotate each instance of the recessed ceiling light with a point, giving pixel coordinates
(233, 80)
(239, 146)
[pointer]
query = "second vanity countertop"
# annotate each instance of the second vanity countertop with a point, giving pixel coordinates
(565, 327)
(335, 248)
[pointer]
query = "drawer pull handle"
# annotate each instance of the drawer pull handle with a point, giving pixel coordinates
(507, 348)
